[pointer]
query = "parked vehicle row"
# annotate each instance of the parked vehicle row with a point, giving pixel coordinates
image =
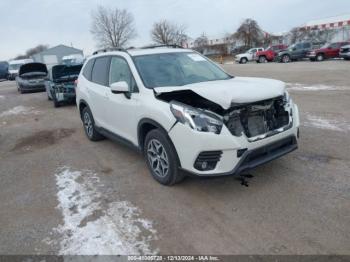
(295, 52)
(58, 82)
(60, 86)
(14, 67)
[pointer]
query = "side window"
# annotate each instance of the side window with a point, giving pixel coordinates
(307, 45)
(88, 69)
(100, 71)
(120, 71)
(253, 51)
(334, 45)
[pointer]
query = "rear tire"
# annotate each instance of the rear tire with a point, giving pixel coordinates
(161, 158)
(89, 125)
(262, 59)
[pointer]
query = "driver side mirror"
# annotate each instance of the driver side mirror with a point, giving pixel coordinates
(121, 87)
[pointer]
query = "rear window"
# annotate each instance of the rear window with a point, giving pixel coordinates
(100, 71)
(88, 69)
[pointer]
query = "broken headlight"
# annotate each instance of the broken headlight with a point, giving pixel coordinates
(197, 119)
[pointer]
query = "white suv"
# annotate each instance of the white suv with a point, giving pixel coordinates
(184, 113)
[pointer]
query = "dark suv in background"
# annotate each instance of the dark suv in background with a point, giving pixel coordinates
(4, 69)
(295, 52)
(329, 50)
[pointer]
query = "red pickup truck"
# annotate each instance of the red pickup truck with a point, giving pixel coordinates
(269, 54)
(329, 50)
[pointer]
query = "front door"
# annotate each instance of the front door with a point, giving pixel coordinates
(121, 108)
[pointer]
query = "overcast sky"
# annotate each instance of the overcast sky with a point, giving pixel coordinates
(27, 23)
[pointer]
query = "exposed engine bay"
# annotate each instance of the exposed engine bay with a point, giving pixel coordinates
(256, 120)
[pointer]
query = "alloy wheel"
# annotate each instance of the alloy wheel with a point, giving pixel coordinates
(286, 59)
(158, 158)
(88, 125)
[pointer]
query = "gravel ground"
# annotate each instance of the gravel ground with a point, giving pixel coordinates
(62, 194)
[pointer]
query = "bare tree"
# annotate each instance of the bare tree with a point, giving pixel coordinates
(249, 32)
(35, 50)
(32, 51)
(112, 27)
(164, 32)
(201, 42)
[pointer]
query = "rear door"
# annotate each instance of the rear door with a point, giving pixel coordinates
(98, 89)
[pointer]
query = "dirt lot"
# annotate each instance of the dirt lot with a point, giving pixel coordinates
(62, 194)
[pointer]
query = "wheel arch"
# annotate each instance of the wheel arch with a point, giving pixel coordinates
(82, 105)
(144, 126)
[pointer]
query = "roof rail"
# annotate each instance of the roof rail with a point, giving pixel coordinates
(165, 45)
(104, 50)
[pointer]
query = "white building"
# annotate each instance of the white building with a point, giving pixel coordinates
(334, 22)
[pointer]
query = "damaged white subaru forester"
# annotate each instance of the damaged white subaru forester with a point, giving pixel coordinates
(184, 113)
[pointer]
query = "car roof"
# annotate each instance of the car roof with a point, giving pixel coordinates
(144, 51)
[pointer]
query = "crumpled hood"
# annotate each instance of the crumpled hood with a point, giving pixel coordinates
(60, 71)
(238, 90)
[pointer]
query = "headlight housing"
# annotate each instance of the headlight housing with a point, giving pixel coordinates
(286, 98)
(197, 119)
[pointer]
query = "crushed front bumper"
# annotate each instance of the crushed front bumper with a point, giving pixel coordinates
(64, 93)
(236, 154)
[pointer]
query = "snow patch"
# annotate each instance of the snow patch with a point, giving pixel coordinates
(301, 87)
(91, 225)
(20, 110)
(2, 97)
(329, 124)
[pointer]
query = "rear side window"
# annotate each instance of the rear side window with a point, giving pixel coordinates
(88, 68)
(307, 45)
(100, 71)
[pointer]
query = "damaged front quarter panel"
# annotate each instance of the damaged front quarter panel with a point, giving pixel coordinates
(256, 120)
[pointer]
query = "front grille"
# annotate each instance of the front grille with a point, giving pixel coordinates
(257, 118)
(207, 160)
(64, 89)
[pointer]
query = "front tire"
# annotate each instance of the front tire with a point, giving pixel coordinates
(243, 60)
(286, 59)
(89, 126)
(56, 103)
(161, 158)
(320, 57)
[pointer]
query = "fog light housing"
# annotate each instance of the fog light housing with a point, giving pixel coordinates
(207, 160)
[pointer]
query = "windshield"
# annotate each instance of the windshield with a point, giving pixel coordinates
(291, 47)
(325, 46)
(14, 66)
(177, 69)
